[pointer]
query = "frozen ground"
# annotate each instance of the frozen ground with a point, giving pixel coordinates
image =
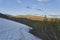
(10, 30)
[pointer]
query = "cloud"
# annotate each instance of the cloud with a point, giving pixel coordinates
(43, 0)
(35, 7)
(18, 1)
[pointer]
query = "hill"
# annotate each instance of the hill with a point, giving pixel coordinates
(34, 17)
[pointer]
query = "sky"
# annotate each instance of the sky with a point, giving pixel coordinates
(34, 7)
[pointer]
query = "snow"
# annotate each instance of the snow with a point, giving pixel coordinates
(10, 30)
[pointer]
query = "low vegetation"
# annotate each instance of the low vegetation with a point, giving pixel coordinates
(47, 30)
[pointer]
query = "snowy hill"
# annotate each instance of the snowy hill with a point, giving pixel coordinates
(10, 30)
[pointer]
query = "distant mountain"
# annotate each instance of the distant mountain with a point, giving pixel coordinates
(33, 17)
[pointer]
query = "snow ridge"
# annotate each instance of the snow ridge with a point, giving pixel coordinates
(10, 30)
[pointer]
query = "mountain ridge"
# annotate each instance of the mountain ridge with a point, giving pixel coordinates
(34, 17)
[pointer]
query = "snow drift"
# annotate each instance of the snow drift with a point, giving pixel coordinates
(10, 30)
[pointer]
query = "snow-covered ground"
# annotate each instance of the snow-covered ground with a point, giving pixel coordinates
(10, 30)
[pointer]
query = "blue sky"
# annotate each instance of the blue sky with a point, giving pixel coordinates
(49, 7)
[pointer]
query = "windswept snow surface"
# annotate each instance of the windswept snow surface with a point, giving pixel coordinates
(10, 30)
